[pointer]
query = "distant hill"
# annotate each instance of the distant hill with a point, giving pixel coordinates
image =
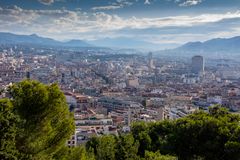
(9, 38)
(117, 43)
(220, 45)
(78, 43)
(214, 48)
(127, 43)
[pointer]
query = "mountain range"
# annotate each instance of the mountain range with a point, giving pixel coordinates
(9, 38)
(218, 45)
(118, 43)
(127, 42)
(214, 45)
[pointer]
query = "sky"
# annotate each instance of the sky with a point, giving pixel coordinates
(165, 22)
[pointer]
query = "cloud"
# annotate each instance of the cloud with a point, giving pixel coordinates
(104, 21)
(46, 2)
(115, 5)
(77, 24)
(124, 2)
(147, 2)
(189, 3)
(110, 7)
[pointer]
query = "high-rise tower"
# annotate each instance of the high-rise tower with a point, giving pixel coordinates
(197, 64)
(150, 61)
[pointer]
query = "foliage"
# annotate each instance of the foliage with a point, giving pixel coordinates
(214, 135)
(140, 133)
(104, 147)
(73, 153)
(8, 130)
(207, 135)
(126, 148)
(46, 120)
(111, 147)
(157, 156)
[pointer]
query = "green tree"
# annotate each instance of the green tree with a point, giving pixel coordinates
(73, 153)
(140, 132)
(213, 135)
(79, 153)
(91, 145)
(47, 122)
(161, 133)
(106, 148)
(157, 156)
(8, 130)
(103, 147)
(126, 148)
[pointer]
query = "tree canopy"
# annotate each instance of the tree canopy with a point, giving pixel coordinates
(213, 135)
(8, 130)
(45, 121)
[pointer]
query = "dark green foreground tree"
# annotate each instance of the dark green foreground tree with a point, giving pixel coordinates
(8, 130)
(74, 153)
(114, 148)
(123, 147)
(214, 135)
(210, 136)
(45, 122)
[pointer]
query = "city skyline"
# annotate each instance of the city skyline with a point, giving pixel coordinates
(165, 22)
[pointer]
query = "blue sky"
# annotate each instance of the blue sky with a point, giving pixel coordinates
(170, 22)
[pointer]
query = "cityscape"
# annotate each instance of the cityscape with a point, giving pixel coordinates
(111, 83)
(108, 91)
